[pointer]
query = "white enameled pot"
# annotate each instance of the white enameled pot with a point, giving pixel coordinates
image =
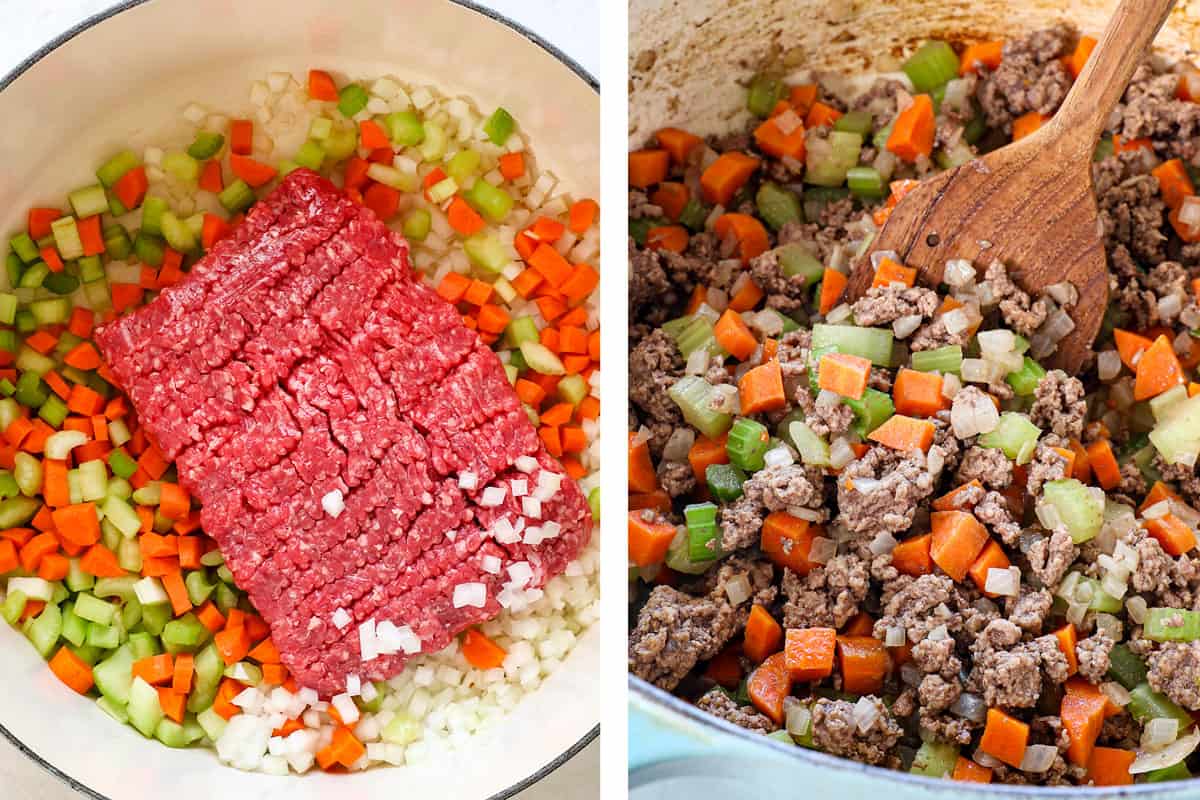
(690, 61)
(133, 69)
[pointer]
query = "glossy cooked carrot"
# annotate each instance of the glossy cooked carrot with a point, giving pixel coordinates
(833, 286)
(725, 668)
(1067, 639)
(649, 538)
(912, 556)
(761, 389)
(904, 434)
(252, 172)
(321, 86)
(750, 234)
(771, 139)
(1158, 369)
(746, 294)
(809, 653)
(991, 557)
(671, 197)
(958, 539)
(821, 114)
(787, 541)
(968, 771)
(726, 175)
(1175, 536)
(890, 271)
(1004, 737)
(678, 143)
(648, 167)
(1173, 182)
(732, 333)
(155, 670)
(844, 374)
(1027, 124)
(1082, 714)
(1109, 766)
(957, 498)
(918, 394)
(762, 635)
(987, 54)
(864, 664)
(1129, 345)
(667, 237)
(1081, 54)
(1104, 464)
(912, 133)
(769, 685)
(705, 452)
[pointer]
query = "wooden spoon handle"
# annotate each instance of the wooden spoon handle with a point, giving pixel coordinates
(1120, 50)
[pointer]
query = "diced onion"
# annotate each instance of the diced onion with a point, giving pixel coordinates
(938, 634)
(799, 720)
(1169, 307)
(895, 636)
(959, 272)
(32, 588)
(333, 503)
(1004, 582)
(697, 362)
(822, 550)
(838, 314)
(1169, 756)
(956, 322)
(1159, 732)
(879, 255)
(679, 443)
(997, 341)
(1115, 692)
(778, 457)
(1038, 758)
(970, 706)
(1189, 212)
(1110, 624)
(738, 590)
(840, 453)
(1064, 293)
(883, 543)
(1108, 364)
(866, 712)
(905, 326)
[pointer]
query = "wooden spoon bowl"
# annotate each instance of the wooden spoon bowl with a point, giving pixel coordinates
(1030, 204)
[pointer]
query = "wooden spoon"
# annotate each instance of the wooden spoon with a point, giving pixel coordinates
(1030, 204)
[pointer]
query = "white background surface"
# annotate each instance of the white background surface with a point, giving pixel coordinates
(573, 27)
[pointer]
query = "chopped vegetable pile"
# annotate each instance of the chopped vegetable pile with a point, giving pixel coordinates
(888, 529)
(103, 565)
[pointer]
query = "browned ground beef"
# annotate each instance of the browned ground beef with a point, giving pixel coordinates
(835, 731)
(720, 704)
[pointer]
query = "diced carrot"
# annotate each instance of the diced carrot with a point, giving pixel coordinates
(480, 651)
(1121, 145)
(958, 538)
(761, 389)
(175, 502)
(183, 672)
(821, 114)
(72, 670)
(252, 172)
(769, 685)
(1079, 57)
(703, 453)
(1175, 536)
(1067, 639)
(211, 179)
(1129, 345)
(1109, 766)
(678, 143)
(83, 400)
(1027, 124)
(991, 557)
(1104, 464)
(746, 294)
(1173, 182)
(125, 295)
(890, 271)
(671, 197)
(1082, 713)
(383, 200)
(904, 433)
(512, 165)
(37, 549)
(54, 567)
(210, 617)
(223, 704)
(372, 136)
(52, 259)
(658, 500)
(912, 133)
(265, 652)
(726, 175)
(493, 318)
(844, 374)
(78, 523)
(864, 663)
(787, 541)
(131, 187)
(550, 264)
(802, 97)
(734, 335)
(274, 674)
(912, 556)
(1158, 492)
(155, 670)
(725, 667)
(1157, 370)
(464, 219)
(809, 653)
(233, 644)
(9, 559)
(453, 287)
(833, 285)
(988, 54)
(968, 771)
(649, 538)
(667, 237)
(1004, 737)
(648, 167)
(762, 636)
(39, 220)
(190, 551)
(957, 498)
(321, 86)
(750, 234)
(771, 139)
(42, 341)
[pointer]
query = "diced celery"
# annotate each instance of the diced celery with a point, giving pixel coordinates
(870, 411)
(115, 168)
(748, 442)
(145, 711)
(935, 759)
(16, 511)
(1125, 666)
(975, 129)
(341, 143)
(573, 388)
(813, 449)
(185, 634)
(212, 723)
(777, 205)
(9, 408)
(113, 709)
(27, 472)
(155, 618)
(828, 160)
(61, 283)
(98, 298)
(699, 335)
(704, 535)
(1146, 704)
(416, 224)
(66, 238)
(693, 395)
(866, 182)
(94, 609)
(209, 666)
(463, 165)
(724, 481)
(541, 359)
(54, 411)
(854, 122)
(93, 479)
(172, 734)
(694, 215)
(594, 503)
(310, 155)
(932, 65)
(1025, 380)
(29, 360)
(103, 636)
(44, 630)
(237, 196)
(74, 627)
(1104, 149)
(148, 495)
(24, 247)
(198, 587)
(113, 677)
(404, 128)
(499, 126)
(433, 145)
(955, 155)
(679, 556)
(874, 344)
(1077, 507)
(88, 201)
(122, 465)
(34, 275)
(13, 267)
(487, 252)
(490, 201)
(1175, 772)
(13, 606)
(25, 322)
(1172, 625)
(149, 248)
(206, 145)
(765, 91)
(115, 587)
(352, 99)
(122, 515)
(1165, 404)
(795, 258)
(244, 672)
(153, 207)
(77, 580)
(1177, 438)
(1015, 435)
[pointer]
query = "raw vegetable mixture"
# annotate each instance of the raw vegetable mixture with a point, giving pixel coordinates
(103, 565)
(888, 529)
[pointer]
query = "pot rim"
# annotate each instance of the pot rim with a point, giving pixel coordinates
(125, 5)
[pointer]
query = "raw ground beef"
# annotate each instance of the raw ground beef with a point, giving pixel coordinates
(300, 360)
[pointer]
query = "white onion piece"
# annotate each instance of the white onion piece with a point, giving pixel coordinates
(1108, 364)
(1004, 582)
(799, 720)
(778, 457)
(895, 636)
(970, 706)
(1169, 756)
(1159, 733)
(1065, 293)
(738, 590)
(822, 550)
(883, 543)
(997, 341)
(1038, 758)
(865, 713)
(1189, 212)
(697, 362)
(905, 326)
(1169, 306)
(1159, 509)
(938, 634)
(955, 321)
(1115, 692)
(678, 445)
(879, 255)
(959, 272)
(840, 453)
(839, 314)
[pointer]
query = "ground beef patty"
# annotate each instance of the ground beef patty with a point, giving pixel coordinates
(324, 408)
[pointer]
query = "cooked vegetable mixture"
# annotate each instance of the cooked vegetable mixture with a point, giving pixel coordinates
(887, 529)
(103, 565)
